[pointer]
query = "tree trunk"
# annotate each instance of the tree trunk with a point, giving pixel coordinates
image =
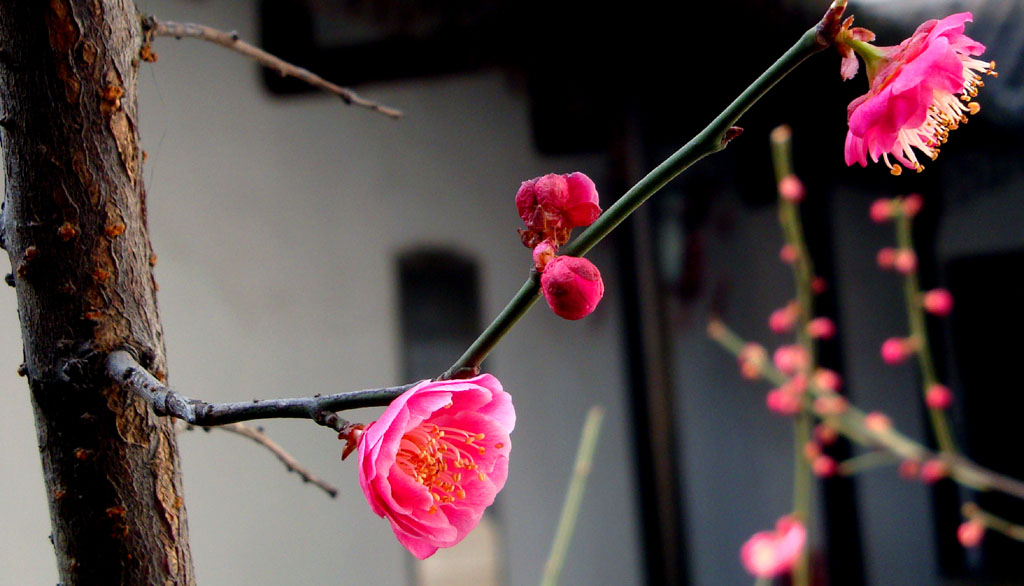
(74, 226)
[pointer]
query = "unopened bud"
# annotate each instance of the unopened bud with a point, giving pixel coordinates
(896, 350)
(938, 302)
(912, 204)
(791, 188)
(882, 210)
(970, 533)
(572, 286)
(938, 397)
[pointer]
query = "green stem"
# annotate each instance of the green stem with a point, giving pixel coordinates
(573, 497)
(712, 139)
(803, 271)
(919, 334)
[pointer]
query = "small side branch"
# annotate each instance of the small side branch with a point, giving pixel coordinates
(178, 30)
(287, 459)
(322, 409)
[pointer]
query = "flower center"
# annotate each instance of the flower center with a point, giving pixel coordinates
(441, 459)
(945, 114)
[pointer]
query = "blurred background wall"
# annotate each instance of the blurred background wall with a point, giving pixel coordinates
(283, 221)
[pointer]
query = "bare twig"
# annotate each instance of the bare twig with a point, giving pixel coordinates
(123, 368)
(178, 30)
(287, 459)
(573, 496)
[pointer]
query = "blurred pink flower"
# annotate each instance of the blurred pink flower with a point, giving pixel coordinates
(572, 286)
(791, 359)
(919, 91)
(938, 302)
(552, 205)
(768, 554)
(436, 458)
(882, 210)
(970, 533)
(938, 397)
(897, 350)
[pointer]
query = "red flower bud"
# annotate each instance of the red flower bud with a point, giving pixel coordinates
(896, 350)
(938, 397)
(572, 286)
(552, 205)
(791, 188)
(969, 533)
(938, 302)
(881, 211)
(912, 204)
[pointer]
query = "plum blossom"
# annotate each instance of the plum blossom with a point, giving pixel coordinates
(919, 91)
(768, 554)
(552, 205)
(436, 458)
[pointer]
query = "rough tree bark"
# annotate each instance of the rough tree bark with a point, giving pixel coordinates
(74, 226)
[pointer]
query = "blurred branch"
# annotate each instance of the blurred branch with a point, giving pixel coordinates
(153, 27)
(573, 496)
(850, 422)
(287, 459)
(123, 369)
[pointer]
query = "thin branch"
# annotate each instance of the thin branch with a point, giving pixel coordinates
(712, 139)
(122, 368)
(178, 30)
(573, 496)
(287, 459)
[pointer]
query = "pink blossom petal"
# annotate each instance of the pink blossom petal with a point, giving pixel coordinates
(436, 459)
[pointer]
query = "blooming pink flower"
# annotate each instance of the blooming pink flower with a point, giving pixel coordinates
(919, 91)
(552, 205)
(572, 286)
(436, 458)
(768, 554)
(938, 302)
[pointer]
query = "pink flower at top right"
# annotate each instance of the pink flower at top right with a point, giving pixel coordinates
(919, 91)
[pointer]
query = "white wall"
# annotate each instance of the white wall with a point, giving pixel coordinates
(277, 223)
